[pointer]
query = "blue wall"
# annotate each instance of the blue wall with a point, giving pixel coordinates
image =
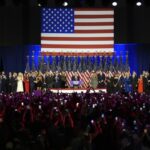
(14, 58)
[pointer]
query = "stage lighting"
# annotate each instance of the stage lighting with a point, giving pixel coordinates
(138, 3)
(65, 4)
(114, 3)
(39, 4)
(42, 3)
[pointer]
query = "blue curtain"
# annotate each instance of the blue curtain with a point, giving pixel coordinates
(14, 58)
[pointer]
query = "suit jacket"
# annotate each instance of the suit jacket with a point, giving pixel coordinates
(57, 81)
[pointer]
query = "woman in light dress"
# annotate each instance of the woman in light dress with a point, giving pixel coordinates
(94, 80)
(20, 82)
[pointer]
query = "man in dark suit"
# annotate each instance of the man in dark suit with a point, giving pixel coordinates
(134, 81)
(75, 80)
(4, 82)
(14, 82)
(63, 80)
(57, 80)
(101, 80)
(32, 79)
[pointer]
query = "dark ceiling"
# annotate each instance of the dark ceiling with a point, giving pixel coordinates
(71, 3)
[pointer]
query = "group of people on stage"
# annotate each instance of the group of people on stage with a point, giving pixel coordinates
(121, 81)
(112, 81)
(28, 82)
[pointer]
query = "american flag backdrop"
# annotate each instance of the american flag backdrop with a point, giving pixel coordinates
(78, 32)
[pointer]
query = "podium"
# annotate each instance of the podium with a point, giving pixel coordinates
(75, 84)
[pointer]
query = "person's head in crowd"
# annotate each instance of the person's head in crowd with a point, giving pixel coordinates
(57, 73)
(20, 76)
(14, 74)
(47, 73)
(26, 75)
(51, 73)
(10, 74)
(3, 72)
(141, 77)
(75, 74)
(134, 74)
(63, 73)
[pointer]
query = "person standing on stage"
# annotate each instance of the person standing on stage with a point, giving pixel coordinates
(134, 81)
(109, 82)
(47, 80)
(32, 79)
(9, 83)
(26, 83)
(4, 82)
(145, 81)
(75, 80)
(101, 80)
(20, 87)
(51, 82)
(63, 80)
(116, 83)
(57, 80)
(94, 80)
(14, 82)
(39, 82)
(127, 83)
(140, 84)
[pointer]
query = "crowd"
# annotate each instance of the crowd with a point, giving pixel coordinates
(112, 81)
(87, 121)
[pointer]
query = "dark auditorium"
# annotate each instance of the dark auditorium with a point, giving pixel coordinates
(74, 74)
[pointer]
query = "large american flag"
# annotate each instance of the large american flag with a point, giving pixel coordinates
(78, 32)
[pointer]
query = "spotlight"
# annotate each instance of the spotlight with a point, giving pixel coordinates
(65, 4)
(114, 3)
(39, 4)
(42, 3)
(138, 3)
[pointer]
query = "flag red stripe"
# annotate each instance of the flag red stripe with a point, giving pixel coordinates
(93, 23)
(94, 16)
(94, 31)
(77, 46)
(77, 38)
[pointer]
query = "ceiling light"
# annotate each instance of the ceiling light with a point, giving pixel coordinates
(39, 4)
(65, 4)
(138, 3)
(114, 3)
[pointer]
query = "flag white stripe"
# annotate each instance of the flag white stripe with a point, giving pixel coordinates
(64, 50)
(77, 35)
(95, 20)
(94, 27)
(94, 12)
(77, 42)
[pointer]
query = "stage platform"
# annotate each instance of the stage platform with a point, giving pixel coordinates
(77, 90)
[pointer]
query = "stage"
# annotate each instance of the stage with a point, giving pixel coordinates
(81, 90)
